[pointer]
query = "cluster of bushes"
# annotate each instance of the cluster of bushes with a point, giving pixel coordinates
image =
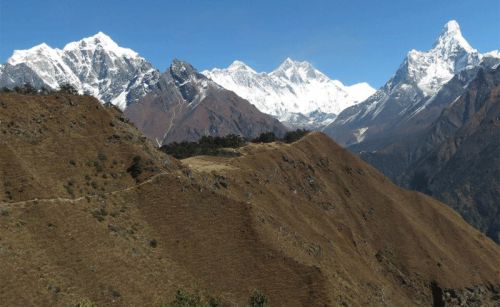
(265, 137)
(29, 89)
(207, 145)
(290, 136)
(214, 145)
(186, 299)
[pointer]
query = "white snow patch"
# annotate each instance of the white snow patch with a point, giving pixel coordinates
(360, 134)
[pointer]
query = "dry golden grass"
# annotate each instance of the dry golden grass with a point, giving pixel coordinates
(308, 223)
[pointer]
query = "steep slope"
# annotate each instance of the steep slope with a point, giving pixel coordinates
(187, 105)
(296, 93)
(95, 65)
(457, 159)
(308, 223)
(411, 90)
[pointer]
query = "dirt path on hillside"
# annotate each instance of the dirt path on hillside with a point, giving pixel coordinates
(75, 200)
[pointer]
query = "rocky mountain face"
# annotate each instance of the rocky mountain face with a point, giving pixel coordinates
(186, 105)
(295, 93)
(414, 89)
(457, 158)
(83, 195)
(95, 65)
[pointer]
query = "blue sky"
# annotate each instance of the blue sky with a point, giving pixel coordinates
(349, 40)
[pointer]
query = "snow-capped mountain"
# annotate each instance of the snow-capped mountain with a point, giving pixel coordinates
(95, 65)
(450, 54)
(294, 90)
(412, 89)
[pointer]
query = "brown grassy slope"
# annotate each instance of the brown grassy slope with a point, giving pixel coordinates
(307, 223)
(327, 208)
(57, 248)
(65, 146)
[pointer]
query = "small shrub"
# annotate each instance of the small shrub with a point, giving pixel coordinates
(185, 299)
(68, 89)
(258, 299)
(27, 88)
(86, 303)
(153, 243)
(102, 156)
(70, 190)
(98, 166)
(214, 302)
(100, 214)
(135, 170)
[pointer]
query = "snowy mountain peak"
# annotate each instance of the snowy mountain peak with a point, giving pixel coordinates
(451, 39)
(240, 66)
(100, 41)
(452, 26)
(43, 50)
(298, 71)
(289, 64)
(450, 54)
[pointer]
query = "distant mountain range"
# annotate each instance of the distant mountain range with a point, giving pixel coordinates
(296, 93)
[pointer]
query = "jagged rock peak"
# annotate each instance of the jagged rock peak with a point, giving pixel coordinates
(183, 71)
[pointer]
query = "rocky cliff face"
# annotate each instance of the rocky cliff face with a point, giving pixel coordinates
(186, 105)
